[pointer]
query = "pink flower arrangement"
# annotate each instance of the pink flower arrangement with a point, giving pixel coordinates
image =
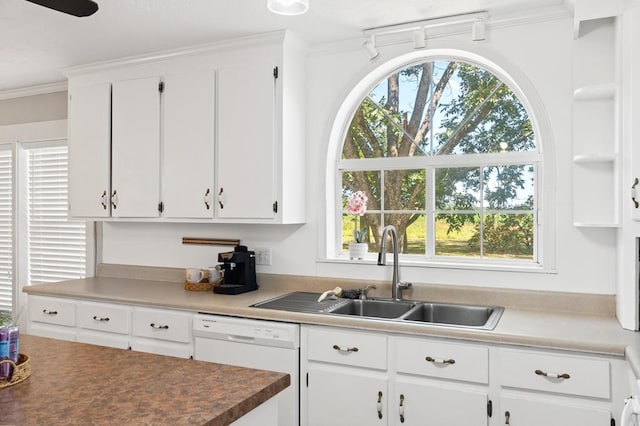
(357, 204)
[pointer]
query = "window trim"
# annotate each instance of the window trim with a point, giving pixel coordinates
(518, 82)
(15, 136)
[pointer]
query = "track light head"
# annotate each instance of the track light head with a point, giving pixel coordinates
(370, 49)
(478, 30)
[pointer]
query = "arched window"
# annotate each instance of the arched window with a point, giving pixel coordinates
(446, 151)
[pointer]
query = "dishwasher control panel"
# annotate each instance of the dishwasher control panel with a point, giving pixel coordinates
(249, 331)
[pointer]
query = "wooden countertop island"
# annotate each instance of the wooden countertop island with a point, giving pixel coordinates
(76, 383)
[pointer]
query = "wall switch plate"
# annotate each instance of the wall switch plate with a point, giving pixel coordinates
(263, 256)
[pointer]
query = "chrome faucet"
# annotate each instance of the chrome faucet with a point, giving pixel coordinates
(396, 285)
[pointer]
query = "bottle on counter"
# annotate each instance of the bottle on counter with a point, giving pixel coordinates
(9, 349)
(5, 370)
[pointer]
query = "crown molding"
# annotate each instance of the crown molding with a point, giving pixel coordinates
(200, 49)
(40, 89)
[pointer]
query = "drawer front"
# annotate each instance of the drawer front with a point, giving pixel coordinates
(555, 373)
(52, 311)
(162, 324)
(103, 317)
(347, 348)
(442, 360)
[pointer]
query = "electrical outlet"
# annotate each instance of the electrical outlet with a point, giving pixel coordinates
(263, 256)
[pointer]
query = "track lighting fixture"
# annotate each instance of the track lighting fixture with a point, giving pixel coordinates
(393, 33)
(478, 30)
(370, 48)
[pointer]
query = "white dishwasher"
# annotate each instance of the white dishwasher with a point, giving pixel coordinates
(263, 345)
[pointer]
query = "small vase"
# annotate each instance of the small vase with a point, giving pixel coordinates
(358, 250)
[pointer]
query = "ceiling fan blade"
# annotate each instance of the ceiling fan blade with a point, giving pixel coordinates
(78, 8)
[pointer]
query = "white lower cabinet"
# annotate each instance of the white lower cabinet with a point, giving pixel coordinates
(103, 324)
(162, 332)
(356, 377)
(419, 402)
(364, 378)
(346, 377)
(439, 383)
(159, 331)
(555, 389)
(524, 410)
(346, 396)
(52, 317)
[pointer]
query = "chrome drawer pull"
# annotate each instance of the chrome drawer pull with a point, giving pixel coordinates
(159, 327)
(401, 408)
(48, 312)
(379, 405)
(552, 375)
(440, 361)
(341, 349)
(101, 318)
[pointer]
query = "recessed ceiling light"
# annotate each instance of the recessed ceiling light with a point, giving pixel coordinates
(288, 7)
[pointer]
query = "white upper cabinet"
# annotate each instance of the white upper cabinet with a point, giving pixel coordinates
(188, 147)
(246, 102)
(89, 150)
(135, 148)
(224, 142)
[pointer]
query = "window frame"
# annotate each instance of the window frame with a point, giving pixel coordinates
(542, 159)
(19, 137)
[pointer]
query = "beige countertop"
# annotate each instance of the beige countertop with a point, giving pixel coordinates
(598, 332)
(77, 384)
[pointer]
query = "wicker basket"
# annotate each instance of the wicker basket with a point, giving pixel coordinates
(21, 371)
(202, 286)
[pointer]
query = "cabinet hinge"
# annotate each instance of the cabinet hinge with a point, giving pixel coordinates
(161, 86)
(275, 207)
(489, 408)
(160, 206)
(275, 72)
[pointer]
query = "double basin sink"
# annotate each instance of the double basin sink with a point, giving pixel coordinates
(445, 314)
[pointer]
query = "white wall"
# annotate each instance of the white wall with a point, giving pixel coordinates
(539, 52)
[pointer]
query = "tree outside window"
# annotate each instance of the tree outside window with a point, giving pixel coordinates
(444, 151)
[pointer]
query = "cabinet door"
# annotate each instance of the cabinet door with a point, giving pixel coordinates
(432, 404)
(634, 52)
(135, 189)
(519, 411)
(89, 150)
(188, 145)
(346, 397)
(246, 137)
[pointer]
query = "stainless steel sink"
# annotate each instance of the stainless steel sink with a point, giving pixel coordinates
(406, 311)
(374, 308)
(455, 315)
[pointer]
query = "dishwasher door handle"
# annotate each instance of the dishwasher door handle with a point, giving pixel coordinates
(243, 339)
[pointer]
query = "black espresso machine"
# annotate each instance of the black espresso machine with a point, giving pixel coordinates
(238, 271)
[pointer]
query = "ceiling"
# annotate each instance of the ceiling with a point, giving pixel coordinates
(38, 42)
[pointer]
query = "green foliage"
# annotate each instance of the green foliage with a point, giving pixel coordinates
(444, 108)
(5, 319)
(506, 233)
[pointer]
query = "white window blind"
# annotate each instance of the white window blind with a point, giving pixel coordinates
(56, 246)
(6, 228)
